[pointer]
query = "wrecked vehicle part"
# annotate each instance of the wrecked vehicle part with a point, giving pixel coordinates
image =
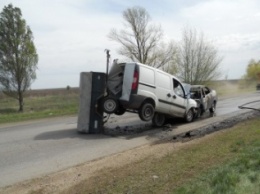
(205, 97)
(158, 120)
(110, 105)
(115, 79)
(217, 126)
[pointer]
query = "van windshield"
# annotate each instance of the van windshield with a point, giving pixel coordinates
(187, 88)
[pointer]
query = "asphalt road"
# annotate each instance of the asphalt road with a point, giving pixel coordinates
(32, 149)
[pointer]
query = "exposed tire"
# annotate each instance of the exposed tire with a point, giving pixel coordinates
(158, 119)
(213, 108)
(110, 105)
(146, 112)
(189, 116)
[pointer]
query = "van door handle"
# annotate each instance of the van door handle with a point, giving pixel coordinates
(169, 95)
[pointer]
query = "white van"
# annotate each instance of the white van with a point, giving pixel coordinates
(153, 93)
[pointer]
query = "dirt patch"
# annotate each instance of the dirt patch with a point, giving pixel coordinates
(62, 180)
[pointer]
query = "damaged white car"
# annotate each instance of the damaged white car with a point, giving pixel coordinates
(152, 93)
(205, 97)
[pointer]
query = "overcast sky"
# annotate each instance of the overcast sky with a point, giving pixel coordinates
(71, 35)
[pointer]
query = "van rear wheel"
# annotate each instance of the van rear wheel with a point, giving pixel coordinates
(146, 112)
(158, 120)
(110, 105)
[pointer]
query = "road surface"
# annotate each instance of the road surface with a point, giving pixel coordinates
(31, 149)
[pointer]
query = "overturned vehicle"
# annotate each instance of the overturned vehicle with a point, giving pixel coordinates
(150, 92)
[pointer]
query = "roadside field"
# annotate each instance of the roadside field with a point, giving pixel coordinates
(40, 104)
(232, 87)
(224, 162)
(59, 102)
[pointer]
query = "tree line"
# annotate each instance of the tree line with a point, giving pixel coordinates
(253, 70)
(194, 60)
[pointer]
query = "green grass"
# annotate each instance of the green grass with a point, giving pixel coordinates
(36, 107)
(228, 162)
(239, 176)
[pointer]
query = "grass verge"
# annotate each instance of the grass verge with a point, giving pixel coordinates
(36, 107)
(227, 162)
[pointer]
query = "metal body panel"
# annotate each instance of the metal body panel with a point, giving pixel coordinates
(90, 116)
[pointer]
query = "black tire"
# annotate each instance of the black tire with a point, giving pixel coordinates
(189, 116)
(120, 111)
(158, 119)
(110, 105)
(213, 108)
(146, 111)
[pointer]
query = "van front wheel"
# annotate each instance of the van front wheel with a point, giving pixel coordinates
(158, 120)
(146, 112)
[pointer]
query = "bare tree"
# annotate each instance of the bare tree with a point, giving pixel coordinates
(142, 41)
(198, 60)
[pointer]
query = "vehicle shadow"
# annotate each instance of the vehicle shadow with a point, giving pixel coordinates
(71, 133)
(129, 130)
(139, 128)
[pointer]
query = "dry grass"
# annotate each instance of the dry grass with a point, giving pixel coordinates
(40, 104)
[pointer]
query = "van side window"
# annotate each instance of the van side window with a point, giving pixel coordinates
(177, 88)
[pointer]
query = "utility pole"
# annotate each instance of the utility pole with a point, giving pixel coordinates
(108, 58)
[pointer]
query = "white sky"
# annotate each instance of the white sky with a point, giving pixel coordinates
(71, 35)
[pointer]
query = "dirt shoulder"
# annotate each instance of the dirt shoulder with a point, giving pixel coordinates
(62, 180)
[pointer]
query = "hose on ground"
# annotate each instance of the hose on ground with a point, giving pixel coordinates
(244, 106)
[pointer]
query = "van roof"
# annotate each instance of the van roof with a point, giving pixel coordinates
(150, 67)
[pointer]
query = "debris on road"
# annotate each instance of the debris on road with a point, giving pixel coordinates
(227, 123)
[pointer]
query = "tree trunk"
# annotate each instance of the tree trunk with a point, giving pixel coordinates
(20, 98)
